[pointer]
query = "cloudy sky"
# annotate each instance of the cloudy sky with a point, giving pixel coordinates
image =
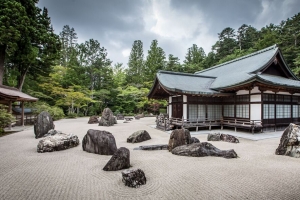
(176, 24)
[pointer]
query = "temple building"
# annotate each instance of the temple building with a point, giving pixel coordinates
(256, 88)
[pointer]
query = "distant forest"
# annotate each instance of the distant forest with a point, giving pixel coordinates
(75, 79)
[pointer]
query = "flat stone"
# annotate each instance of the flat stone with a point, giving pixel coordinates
(203, 149)
(99, 142)
(153, 147)
(57, 142)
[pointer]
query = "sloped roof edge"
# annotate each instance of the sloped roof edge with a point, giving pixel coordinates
(238, 59)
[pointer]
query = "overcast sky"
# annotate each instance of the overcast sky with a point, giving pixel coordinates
(176, 24)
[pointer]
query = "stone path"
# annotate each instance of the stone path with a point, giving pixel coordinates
(74, 174)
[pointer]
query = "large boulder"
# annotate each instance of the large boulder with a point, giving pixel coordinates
(203, 149)
(222, 137)
(133, 177)
(57, 142)
(107, 118)
(93, 119)
(43, 124)
(99, 142)
(179, 137)
(290, 142)
(139, 136)
(120, 160)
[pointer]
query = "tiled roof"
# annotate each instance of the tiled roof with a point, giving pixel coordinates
(14, 94)
(186, 83)
(229, 74)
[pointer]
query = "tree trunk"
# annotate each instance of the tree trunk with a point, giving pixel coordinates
(22, 79)
(2, 58)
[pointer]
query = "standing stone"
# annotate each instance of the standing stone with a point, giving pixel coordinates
(133, 177)
(139, 136)
(107, 118)
(57, 142)
(203, 149)
(99, 142)
(43, 124)
(290, 142)
(120, 160)
(179, 137)
(93, 119)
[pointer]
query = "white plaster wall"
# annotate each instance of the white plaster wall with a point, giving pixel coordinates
(184, 107)
(255, 98)
(241, 92)
(269, 92)
(170, 107)
(255, 111)
(285, 93)
(255, 90)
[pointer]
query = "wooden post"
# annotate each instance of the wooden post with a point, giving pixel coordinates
(9, 111)
(22, 117)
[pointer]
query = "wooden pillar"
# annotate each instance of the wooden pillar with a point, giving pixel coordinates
(9, 111)
(22, 117)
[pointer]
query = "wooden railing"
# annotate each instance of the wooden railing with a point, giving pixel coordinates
(252, 125)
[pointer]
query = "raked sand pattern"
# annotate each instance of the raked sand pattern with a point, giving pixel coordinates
(74, 174)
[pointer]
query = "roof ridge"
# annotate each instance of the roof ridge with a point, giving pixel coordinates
(185, 74)
(240, 58)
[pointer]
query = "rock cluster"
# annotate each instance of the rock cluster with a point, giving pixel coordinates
(93, 119)
(99, 142)
(120, 160)
(134, 177)
(57, 142)
(203, 149)
(290, 142)
(107, 118)
(139, 136)
(43, 124)
(179, 137)
(222, 137)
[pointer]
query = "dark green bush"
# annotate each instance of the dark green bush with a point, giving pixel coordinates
(55, 112)
(5, 118)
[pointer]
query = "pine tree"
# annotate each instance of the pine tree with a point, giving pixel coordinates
(136, 63)
(194, 59)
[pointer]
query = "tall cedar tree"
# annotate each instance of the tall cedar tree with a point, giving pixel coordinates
(156, 60)
(28, 41)
(136, 63)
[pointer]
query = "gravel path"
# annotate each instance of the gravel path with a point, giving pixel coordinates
(74, 174)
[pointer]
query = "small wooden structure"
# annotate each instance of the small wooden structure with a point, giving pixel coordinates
(8, 95)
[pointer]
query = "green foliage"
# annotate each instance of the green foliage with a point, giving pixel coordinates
(5, 118)
(194, 59)
(156, 60)
(136, 63)
(72, 115)
(40, 106)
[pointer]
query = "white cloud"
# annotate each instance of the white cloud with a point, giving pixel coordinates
(126, 53)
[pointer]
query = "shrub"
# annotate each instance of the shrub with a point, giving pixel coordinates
(55, 112)
(5, 118)
(72, 115)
